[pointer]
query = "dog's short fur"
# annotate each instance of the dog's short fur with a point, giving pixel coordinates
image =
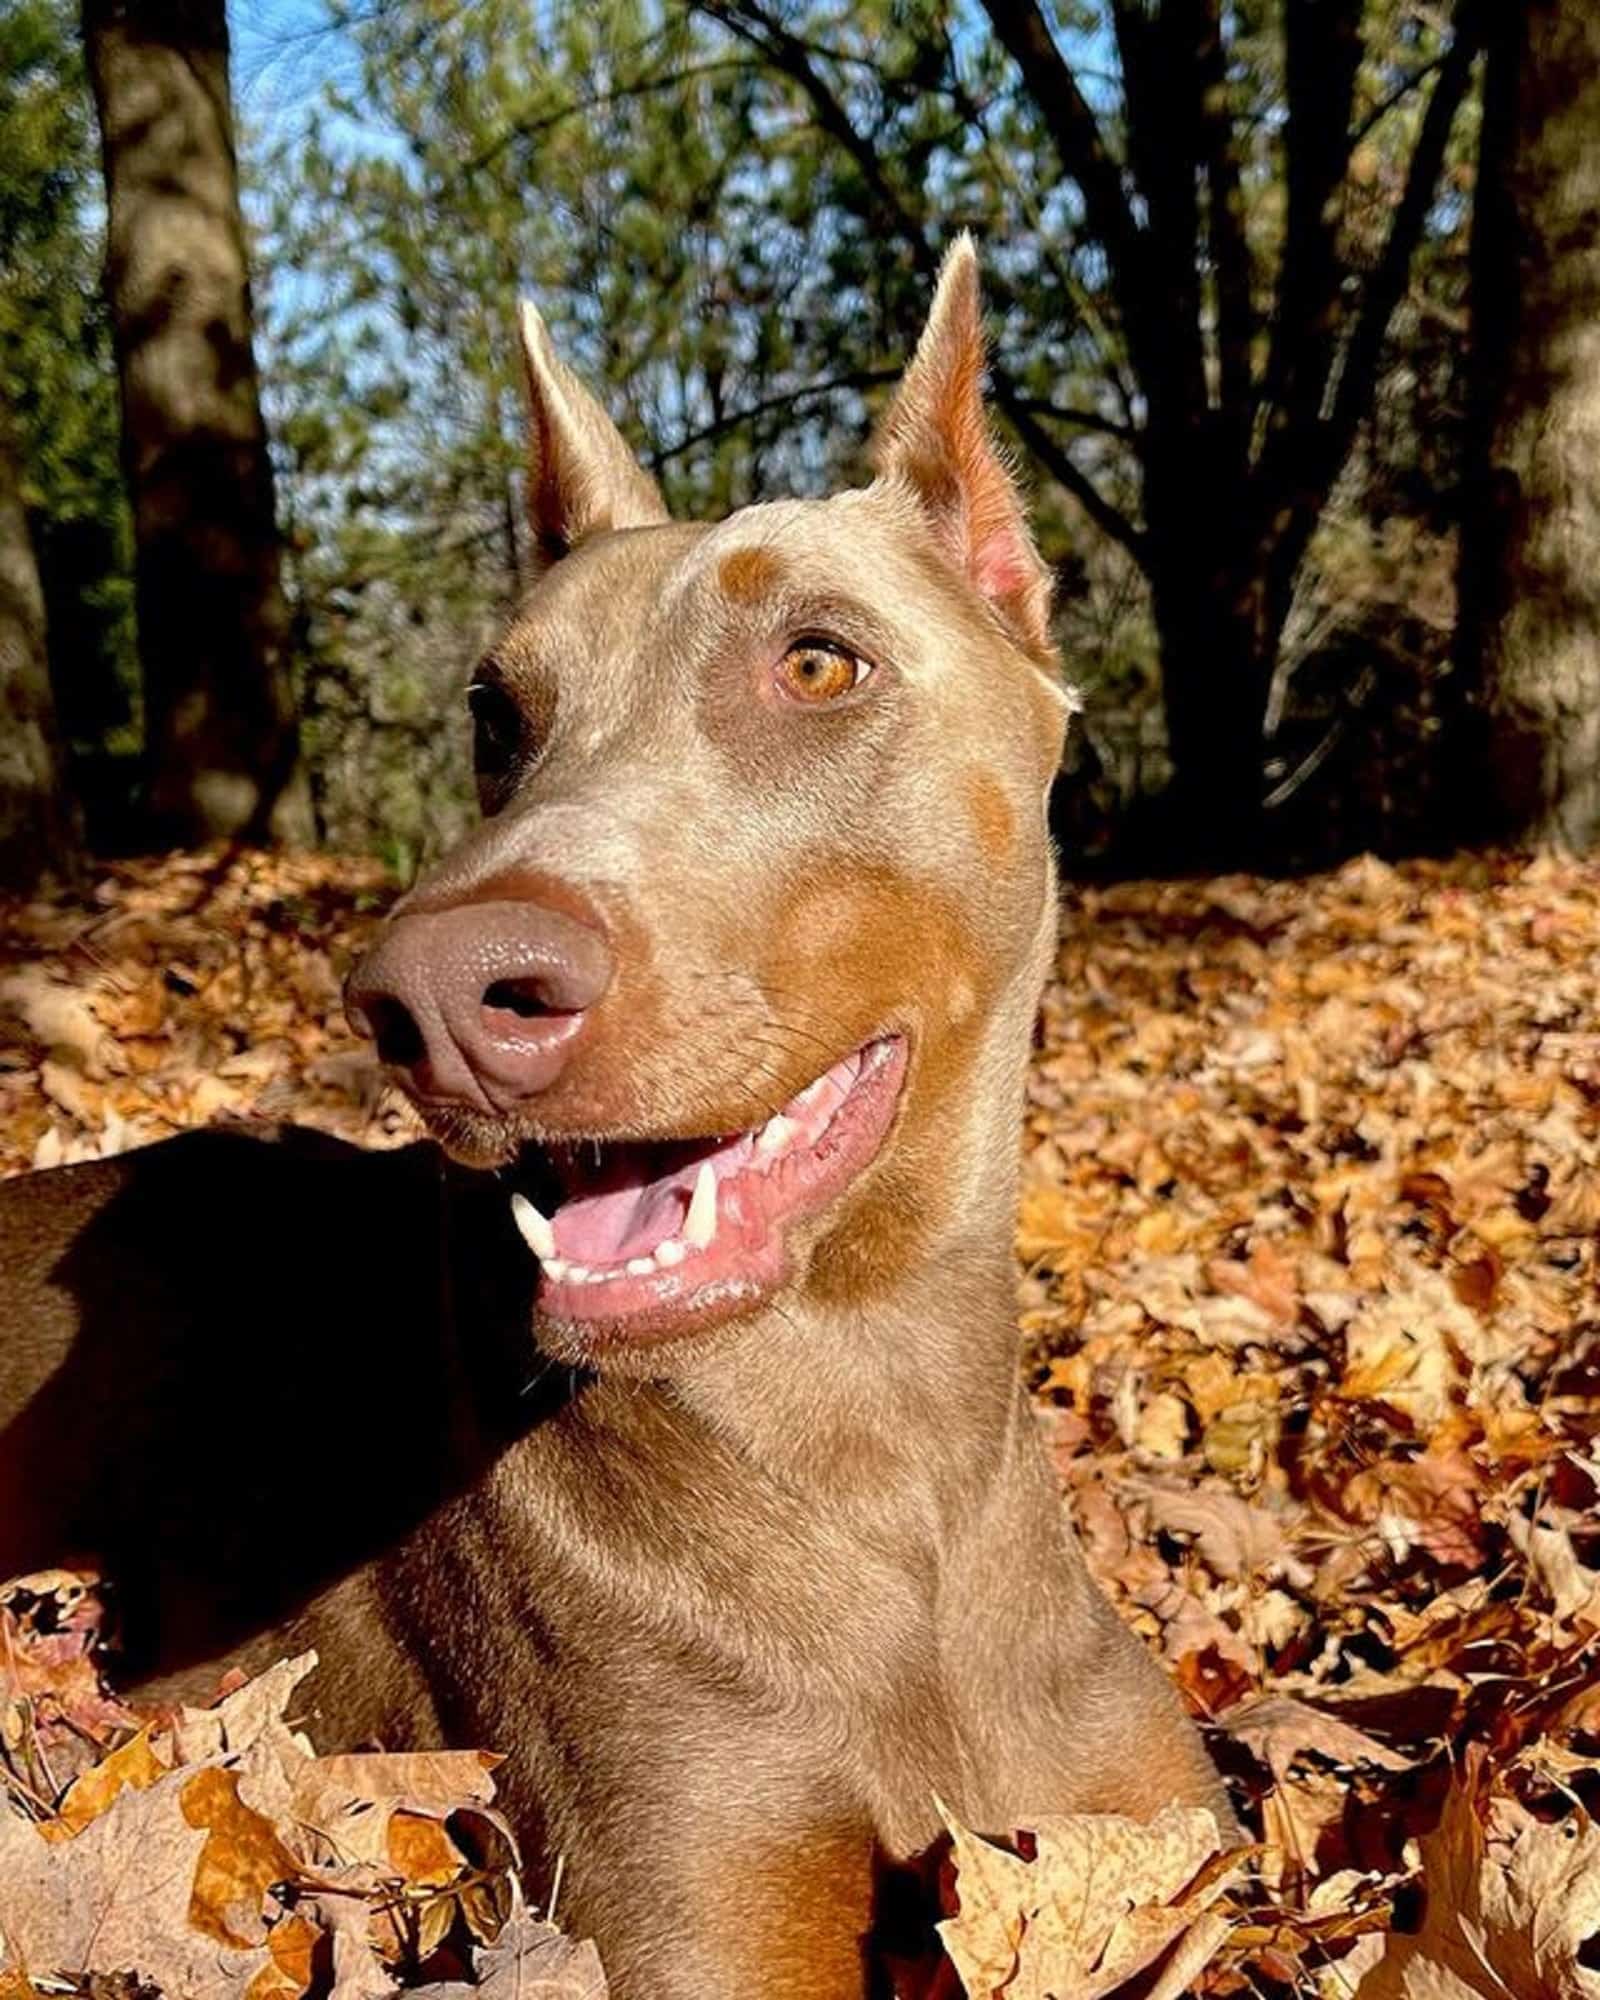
(738, 1602)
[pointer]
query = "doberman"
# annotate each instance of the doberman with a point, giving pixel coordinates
(718, 1507)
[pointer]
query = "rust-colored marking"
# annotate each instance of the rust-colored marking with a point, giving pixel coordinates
(886, 948)
(797, 1917)
(994, 824)
(748, 575)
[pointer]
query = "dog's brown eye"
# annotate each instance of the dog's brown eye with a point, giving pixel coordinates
(498, 736)
(816, 670)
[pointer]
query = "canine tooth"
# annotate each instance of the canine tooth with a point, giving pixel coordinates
(673, 1251)
(700, 1224)
(775, 1134)
(555, 1268)
(640, 1267)
(536, 1231)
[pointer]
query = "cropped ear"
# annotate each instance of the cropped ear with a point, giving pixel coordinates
(934, 439)
(582, 478)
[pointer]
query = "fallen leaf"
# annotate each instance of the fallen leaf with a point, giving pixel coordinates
(238, 1865)
(116, 1898)
(58, 1014)
(351, 1800)
(1572, 1588)
(531, 1961)
(1279, 1729)
(135, 1763)
(243, 1715)
(292, 1961)
(1512, 1910)
(1234, 1538)
(1100, 1902)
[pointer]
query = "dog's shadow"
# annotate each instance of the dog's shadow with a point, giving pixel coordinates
(230, 1372)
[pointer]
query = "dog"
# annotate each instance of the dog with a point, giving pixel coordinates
(668, 1435)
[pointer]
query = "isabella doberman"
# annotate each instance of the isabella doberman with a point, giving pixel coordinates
(663, 1432)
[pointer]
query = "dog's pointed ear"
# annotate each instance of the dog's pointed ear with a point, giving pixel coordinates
(582, 478)
(934, 439)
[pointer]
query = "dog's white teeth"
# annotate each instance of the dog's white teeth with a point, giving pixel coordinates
(775, 1134)
(811, 1093)
(663, 1257)
(535, 1228)
(700, 1224)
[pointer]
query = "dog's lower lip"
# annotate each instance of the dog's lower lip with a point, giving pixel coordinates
(709, 1236)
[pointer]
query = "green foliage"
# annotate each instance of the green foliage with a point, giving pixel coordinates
(56, 374)
(731, 213)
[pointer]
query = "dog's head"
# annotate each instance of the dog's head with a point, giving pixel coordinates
(735, 977)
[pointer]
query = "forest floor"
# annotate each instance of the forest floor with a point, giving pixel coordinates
(1308, 1283)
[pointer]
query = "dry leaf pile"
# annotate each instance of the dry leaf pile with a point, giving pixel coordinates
(1312, 1186)
(183, 991)
(1309, 1230)
(209, 1854)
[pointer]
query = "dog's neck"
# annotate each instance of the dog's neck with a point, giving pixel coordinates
(915, 1388)
(916, 1383)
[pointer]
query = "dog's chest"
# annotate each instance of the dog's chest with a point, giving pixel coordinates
(625, 1620)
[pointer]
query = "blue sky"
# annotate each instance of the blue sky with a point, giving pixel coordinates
(283, 53)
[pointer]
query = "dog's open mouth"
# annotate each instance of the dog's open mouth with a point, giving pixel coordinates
(650, 1235)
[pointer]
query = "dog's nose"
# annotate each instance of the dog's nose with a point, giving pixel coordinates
(482, 1003)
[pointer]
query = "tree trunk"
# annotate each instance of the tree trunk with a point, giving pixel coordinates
(1531, 576)
(1214, 686)
(221, 736)
(34, 820)
(1217, 647)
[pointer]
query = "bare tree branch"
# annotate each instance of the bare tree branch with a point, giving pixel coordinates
(533, 128)
(1309, 474)
(861, 378)
(789, 54)
(1087, 159)
(1084, 305)
(1358, 371)
(1085, 420)
(1408, 86)
(1053, 456)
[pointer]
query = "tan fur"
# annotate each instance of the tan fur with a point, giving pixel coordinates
(738, 1605)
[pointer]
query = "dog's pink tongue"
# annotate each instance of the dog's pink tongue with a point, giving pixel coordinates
(624, 1222)
(635, 1197)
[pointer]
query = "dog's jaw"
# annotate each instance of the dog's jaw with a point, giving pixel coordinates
(650, 1245)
